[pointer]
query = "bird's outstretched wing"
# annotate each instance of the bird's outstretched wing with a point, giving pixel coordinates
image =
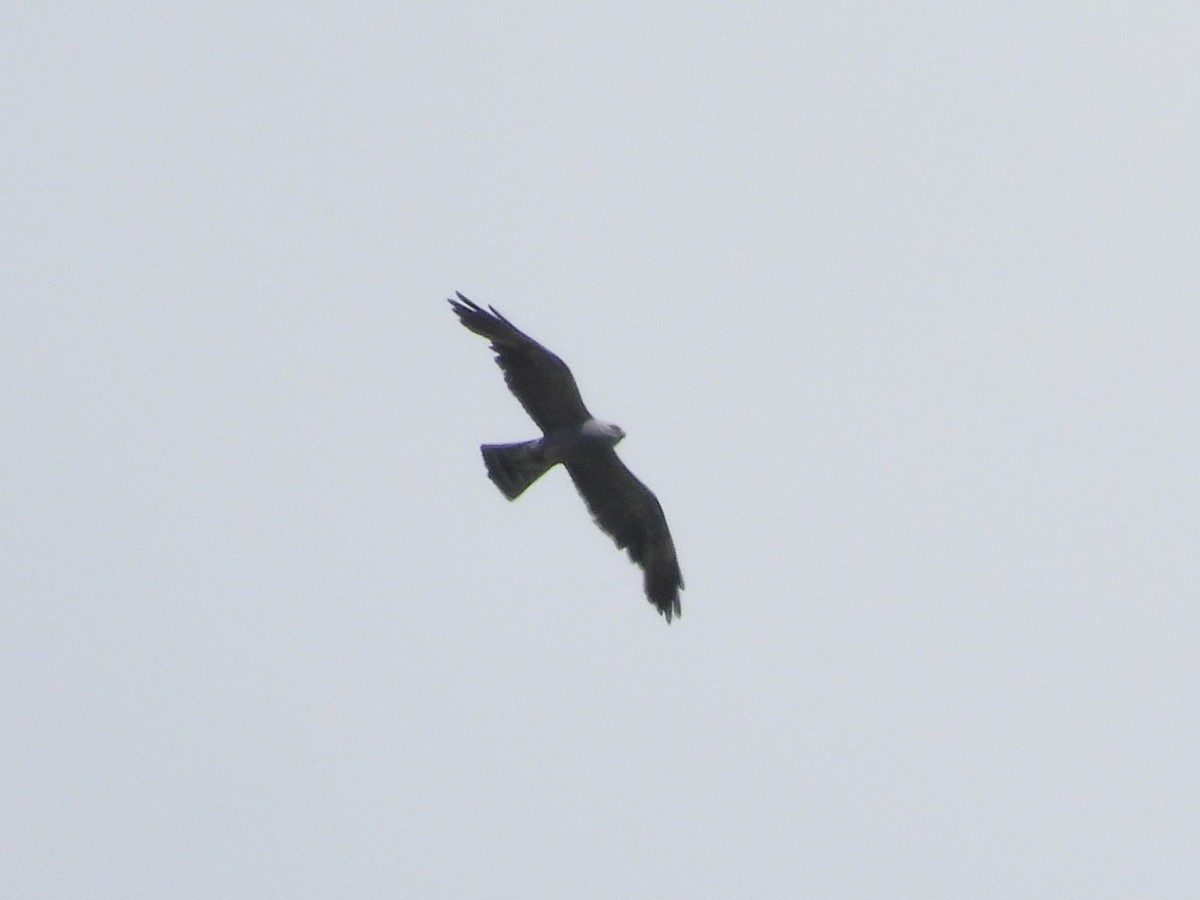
(538, 378)
(628, 511)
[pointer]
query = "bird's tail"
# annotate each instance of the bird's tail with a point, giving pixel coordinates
(514, 467)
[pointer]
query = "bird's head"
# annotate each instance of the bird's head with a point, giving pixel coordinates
(605, 431)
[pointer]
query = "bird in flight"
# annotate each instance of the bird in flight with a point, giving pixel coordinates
(623, 507)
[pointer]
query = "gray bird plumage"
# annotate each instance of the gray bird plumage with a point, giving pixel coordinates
(622, 506)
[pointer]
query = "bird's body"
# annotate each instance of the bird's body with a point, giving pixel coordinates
(621, 505)
(513, 467)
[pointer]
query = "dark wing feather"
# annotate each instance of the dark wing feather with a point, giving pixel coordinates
(625, 509)
(538, 378)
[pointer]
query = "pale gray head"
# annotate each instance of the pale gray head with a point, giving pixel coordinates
(606, 431)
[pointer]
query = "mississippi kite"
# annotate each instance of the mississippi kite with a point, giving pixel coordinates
(622, 506)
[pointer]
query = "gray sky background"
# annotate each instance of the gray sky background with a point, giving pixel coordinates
(897, 303)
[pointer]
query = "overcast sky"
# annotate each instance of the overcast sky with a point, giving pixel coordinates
(898, 303)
